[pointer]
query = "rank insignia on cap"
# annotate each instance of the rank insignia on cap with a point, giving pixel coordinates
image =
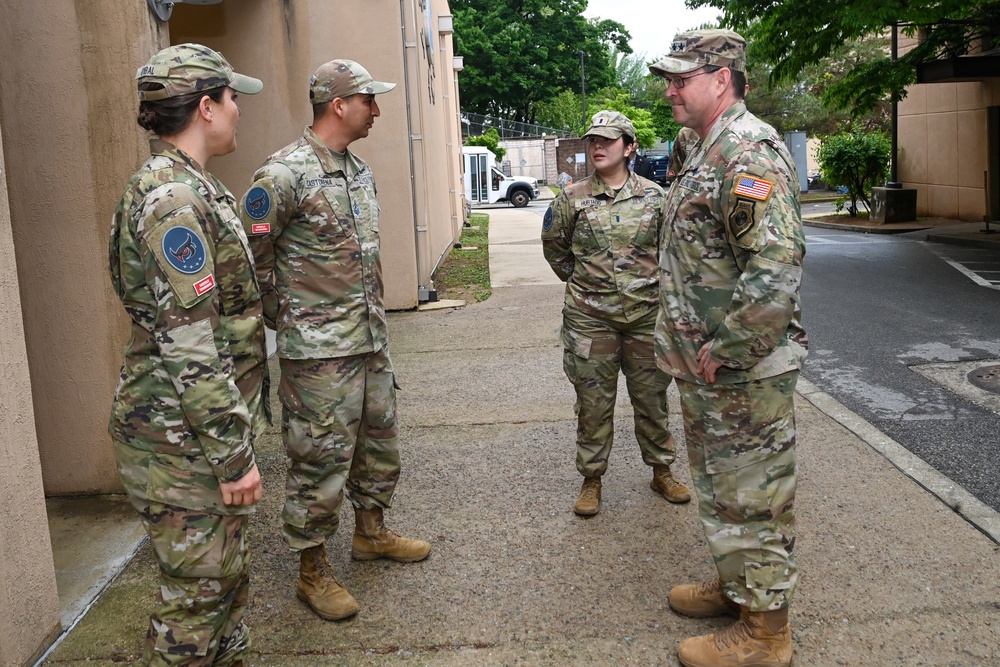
(205, 284)
(755, 188)
(184, 250)
(741, 219)
(257, 203)
(260, 228)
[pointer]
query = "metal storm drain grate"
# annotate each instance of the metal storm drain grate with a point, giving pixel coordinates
(986, 377)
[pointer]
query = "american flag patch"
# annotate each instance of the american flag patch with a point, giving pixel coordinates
(205, 284)
(755, 188)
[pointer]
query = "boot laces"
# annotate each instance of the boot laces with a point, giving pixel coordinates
(735, 634)
(709, 588)
(322, 565)
(589, 489)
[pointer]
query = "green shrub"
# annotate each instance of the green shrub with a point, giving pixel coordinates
(858, 160)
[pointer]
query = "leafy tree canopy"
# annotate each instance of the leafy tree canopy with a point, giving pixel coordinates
(793, 34)
(799, 104)
(491, 140)
(519, 53)
(618, 100)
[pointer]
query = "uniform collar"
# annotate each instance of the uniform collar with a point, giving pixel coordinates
(327, 159)
(728, 117)
(162, 148)
(629, 189)
(723, 122)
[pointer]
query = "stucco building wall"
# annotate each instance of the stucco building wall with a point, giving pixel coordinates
(25, 552)
(69, 151)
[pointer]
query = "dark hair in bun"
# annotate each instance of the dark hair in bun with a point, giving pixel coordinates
(171, 115)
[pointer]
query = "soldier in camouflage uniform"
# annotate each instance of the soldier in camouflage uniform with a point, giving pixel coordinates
(729, 331)
(600, 235)
(189, 401)
(313, 222)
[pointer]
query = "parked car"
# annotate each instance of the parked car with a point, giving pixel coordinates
(654, 167)
(661, 163)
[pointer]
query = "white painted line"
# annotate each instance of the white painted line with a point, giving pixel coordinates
(970, 508)
(968, 273)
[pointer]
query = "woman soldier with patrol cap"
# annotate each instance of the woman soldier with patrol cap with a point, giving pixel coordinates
(190, 395)
(600, 235)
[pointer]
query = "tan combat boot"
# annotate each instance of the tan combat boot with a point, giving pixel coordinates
(589, 501)
(702, 600)
(319, 589)
(758, 639)
(668, 487)
(373, 540)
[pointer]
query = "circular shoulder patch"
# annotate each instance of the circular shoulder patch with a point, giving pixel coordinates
(547, 220)
(184, 250)
(257, 203)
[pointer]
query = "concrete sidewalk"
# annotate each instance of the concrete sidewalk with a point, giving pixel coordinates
(891, 575)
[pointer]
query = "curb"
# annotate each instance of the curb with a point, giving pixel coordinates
(982, 517)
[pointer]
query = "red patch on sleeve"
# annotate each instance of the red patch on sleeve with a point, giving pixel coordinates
(205, 284)
(260, 228)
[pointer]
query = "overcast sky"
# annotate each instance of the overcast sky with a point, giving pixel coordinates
(652, 23)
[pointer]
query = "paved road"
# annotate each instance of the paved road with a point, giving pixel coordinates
(894, 327)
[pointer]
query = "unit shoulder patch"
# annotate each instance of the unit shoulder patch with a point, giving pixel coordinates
(178, 245)
(547, 220)
(259, 208)
(741, 219)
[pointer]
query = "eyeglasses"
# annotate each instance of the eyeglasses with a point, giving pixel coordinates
(678, 82)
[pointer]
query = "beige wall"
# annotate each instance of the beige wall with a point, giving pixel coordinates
(70, 152)
(943, 144)
(26, 572)
(943, 147)
(283, 43)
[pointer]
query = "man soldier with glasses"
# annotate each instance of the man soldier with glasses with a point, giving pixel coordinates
(729, 330)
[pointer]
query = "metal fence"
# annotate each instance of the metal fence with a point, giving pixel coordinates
(474, 124)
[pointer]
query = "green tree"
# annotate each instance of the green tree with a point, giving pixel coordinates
(562, 112)
(520, 53)
(799, 104)
(794, 34)
(859, 160)
(491, 140)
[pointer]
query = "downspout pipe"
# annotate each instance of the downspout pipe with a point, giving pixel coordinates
(423, 293)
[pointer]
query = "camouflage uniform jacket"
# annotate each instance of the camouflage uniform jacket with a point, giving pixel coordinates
(312, 220)
(190, 393)
(731, 256)
(604, 246)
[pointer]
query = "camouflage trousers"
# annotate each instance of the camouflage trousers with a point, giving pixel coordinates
(339, 430)
(594, 352)
(204, 587)
(741, 445)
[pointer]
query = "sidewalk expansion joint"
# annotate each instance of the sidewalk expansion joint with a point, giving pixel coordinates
(984, 518)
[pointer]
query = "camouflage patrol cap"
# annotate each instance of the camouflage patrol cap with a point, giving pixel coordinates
(610, 125)
(343, 78)
(691, 50)
(189, 68)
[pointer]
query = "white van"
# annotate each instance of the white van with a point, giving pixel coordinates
(486, 184)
